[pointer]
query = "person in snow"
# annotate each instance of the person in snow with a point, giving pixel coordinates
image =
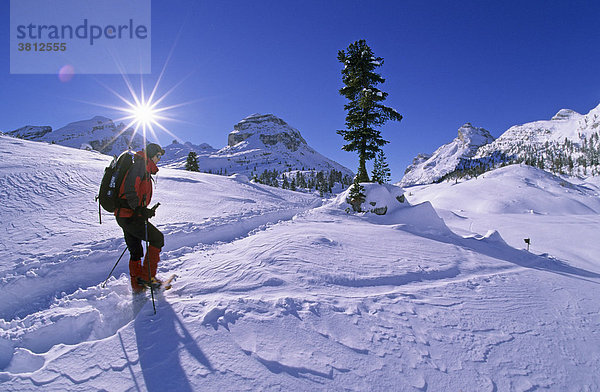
(133, 213)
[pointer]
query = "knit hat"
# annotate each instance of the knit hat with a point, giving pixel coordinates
(152, 149)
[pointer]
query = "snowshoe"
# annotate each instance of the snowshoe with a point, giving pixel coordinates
(157, 284)
(153, 283)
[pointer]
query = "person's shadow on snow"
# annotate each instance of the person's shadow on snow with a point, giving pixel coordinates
(160, 340)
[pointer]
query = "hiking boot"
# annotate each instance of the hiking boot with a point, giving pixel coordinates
(135, 286)
(153, 283)
(135, 270)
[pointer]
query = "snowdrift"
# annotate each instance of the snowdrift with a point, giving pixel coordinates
(421, 220)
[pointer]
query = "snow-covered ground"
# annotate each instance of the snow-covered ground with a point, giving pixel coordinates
(279, 291)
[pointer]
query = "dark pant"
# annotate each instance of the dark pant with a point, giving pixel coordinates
(134, 230)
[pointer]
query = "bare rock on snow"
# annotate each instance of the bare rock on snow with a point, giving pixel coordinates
(379, 199)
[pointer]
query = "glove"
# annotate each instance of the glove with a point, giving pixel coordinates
(146, 213)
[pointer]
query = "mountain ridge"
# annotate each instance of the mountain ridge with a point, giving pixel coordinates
(98, 133)
(567, 143)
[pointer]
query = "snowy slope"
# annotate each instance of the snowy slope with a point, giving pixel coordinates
(275, 294)
(558, 214)
(427, 169)
(258, 143)
(517, 189)
(49, 215)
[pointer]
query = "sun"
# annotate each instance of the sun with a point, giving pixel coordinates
(143, 114)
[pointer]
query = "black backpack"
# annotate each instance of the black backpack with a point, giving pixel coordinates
(114, 174)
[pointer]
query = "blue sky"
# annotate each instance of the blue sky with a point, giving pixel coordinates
(494, 64)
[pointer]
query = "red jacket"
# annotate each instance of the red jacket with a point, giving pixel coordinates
(136, 189)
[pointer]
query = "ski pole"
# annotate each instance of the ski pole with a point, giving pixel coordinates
(111, 271)
(148, 258)
(149, 269)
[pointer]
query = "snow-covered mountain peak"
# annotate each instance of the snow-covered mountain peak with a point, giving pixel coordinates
(545, 139)
(98, 133)
(568, 142)
(263, 131)
(426, 169)
(565, 114)
(95, 121)
(100, 119)
(262, 122)
(595, 111)
(257, 143)
(468, 134)
(203, 146)
(30, 132)
(176, 153)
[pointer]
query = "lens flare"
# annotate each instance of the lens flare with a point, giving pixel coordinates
(142, 114)
(66, 73)
(145, 113)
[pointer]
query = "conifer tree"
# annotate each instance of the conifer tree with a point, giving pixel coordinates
(300, 180)
(356, 196)
(365, 110)
(381, 171)
(386, 173)
(286, 183)
(192, 162)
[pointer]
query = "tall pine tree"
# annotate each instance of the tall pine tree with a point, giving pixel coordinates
(365, 109)
(192, 162)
